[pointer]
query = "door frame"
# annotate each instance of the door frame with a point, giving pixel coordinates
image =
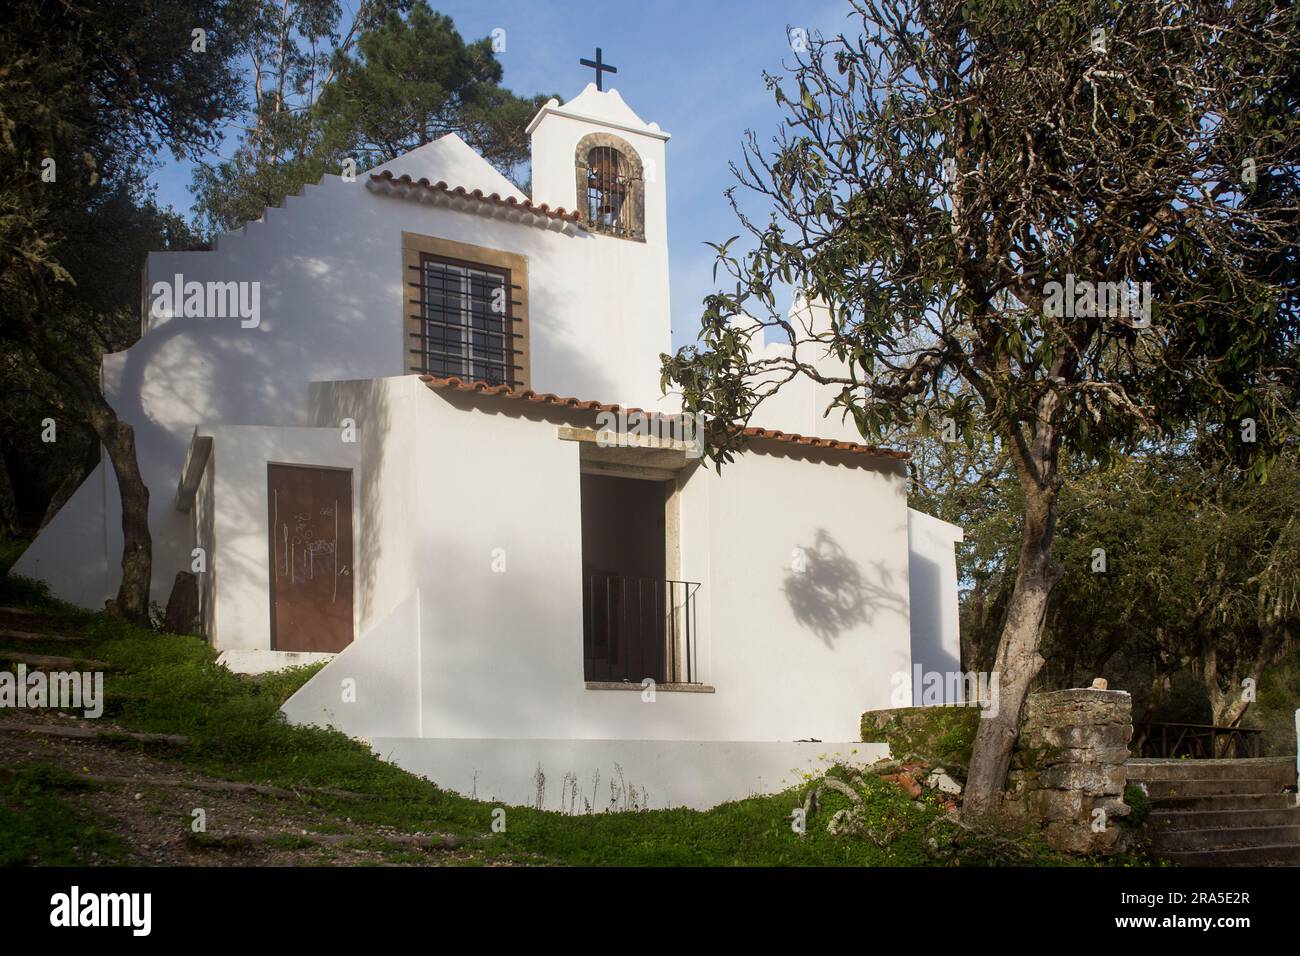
(270, 545)
(670, 485)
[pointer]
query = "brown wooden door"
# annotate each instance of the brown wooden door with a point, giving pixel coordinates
(311, 558)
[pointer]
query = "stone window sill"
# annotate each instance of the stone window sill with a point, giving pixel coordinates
(667, 687)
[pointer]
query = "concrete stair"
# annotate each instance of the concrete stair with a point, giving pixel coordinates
(1222, 812)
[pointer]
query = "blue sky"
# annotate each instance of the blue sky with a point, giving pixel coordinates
(695, 68)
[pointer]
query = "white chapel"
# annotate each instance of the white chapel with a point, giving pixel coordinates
(395, 425)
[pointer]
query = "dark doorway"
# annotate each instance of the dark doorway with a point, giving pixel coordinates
(311, 558)
(626, 595)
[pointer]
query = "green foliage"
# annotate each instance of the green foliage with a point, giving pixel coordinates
(19, 591)
(414, 79)
(171, 684)
(400, 77)
(66, 96)
(942, 734)
(89, 93)
(1201, 566)
(1279, 699)
(946, 171)
(39, 827)
(1139, 805)
(929, 187)
(11, 549)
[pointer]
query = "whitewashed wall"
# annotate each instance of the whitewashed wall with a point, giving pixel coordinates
(332, 291)
(806, 651)
(802, 406)
(936, 633)
(632, 312)
(389, 433)
(331, 300)
(664, 773)
(792, 655)
(240, 560)
(205, 537)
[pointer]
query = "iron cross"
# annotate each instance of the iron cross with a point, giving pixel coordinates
(600, 67)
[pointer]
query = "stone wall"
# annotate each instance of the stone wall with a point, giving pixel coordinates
(945, 734)
(1068, 769)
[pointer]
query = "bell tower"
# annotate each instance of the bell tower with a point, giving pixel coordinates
(593, 155)
(596, 156)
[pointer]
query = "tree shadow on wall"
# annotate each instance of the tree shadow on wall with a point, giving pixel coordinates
(830, 594)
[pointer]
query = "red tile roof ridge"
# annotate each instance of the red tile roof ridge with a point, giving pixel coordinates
(441, 185)
(549, 398)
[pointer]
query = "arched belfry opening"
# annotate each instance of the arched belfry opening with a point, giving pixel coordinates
(611, 187)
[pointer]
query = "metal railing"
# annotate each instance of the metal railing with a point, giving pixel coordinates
(634, 628)
(610, 192)
(1205, 741)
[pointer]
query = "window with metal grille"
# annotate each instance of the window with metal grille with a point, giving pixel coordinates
(610, 186)
(465, 321)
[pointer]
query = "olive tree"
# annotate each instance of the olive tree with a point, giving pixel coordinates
(1071, 222)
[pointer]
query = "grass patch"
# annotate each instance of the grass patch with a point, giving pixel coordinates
(38, 826)
(166, 683)
(171, 684)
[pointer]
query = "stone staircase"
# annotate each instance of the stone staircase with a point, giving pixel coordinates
(1222, 812)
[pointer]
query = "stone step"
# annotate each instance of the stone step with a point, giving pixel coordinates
(8, 634)
(1230, 819)
(1277, 854)
(91, 733)
(1218, 838)
(48, 662)
(32, 619)
(1281, 769)
(1225, 801)
(1209, 788)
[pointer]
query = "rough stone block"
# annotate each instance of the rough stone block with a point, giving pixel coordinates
(1078, 735)
(1114, 807)
(1056, 804)
(1102, 756)
(943, 734)
(1079, 706)
(1096, 780)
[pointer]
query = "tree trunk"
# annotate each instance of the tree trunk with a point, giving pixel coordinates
(8, 505)
(1159, 680)
(137, 544)
(118, 439)
(1228, 705)
(1018, 658)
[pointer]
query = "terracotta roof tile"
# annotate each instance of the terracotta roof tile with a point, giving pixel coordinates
(547, 398)
(852, 446)
(387, 179)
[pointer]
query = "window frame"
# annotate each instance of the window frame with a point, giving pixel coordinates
(502, 357)
(633, 206)
(416, 251)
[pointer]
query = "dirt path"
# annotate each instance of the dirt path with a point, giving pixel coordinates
(150, 802)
